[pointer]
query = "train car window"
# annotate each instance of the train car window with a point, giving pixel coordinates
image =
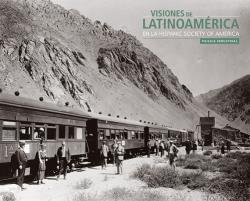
(129, 135)
(142, 135)
(125, 135)
(107, 134)
(137, 135)
(51, 132)
(25, 131)
(132, 134)
(71, 132)
(79, 132)
(117, 134)
(121, 133)
(62, 131)
(101, 134)
(9, 131)
(39, 132)
(112, 134)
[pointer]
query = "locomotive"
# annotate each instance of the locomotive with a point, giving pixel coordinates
(35, 121)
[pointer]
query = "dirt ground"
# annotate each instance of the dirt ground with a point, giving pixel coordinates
(102, 180)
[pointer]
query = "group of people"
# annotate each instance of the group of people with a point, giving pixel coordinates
(160, 146)
(21, 159)
(117, 151)
(223, 145)
(191, 145)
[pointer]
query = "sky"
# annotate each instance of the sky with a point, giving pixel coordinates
(200, 67)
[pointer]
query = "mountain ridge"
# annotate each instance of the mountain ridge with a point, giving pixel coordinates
(61, 55)
(231, 101)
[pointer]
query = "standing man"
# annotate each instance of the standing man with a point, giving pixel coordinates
(104, 154)
(194, 147)
(162, 148)
(173, 150)
(148, 148)
(188, 147)
(157, 146)
(114, 147)
(120, 157)
(63, 158)
(22, 161)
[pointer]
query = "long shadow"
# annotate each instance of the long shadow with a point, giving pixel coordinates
(79, 170)
(108, 173)
(51, 178)
(95, 168)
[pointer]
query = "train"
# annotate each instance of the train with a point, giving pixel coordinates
(35, 121)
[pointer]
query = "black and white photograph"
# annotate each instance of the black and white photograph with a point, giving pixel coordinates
(124, 100)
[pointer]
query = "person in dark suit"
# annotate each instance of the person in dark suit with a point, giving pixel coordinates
(22, 160)
(63, 158)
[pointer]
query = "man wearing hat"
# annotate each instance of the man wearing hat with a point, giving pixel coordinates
(120, 157)
(22, 161)
(63, 158)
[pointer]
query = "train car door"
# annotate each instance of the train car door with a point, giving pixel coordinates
(92, 140)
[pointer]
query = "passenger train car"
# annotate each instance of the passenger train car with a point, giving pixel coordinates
(33, 121)
(83, 132)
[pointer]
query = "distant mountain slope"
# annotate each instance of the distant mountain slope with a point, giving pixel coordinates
(61, 55)
(231, 101)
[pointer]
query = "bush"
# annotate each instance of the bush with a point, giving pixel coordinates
(7, 196)
(194, 180)
(84, 184)
(232, 189)
(121, 194)
(196, 162)
(226, 165)
(192, 164)
(216, 156)
(158, 176)
(141, 171)
(118, 194)
(207, 153)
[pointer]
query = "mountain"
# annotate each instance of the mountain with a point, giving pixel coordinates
(60, 55)
(231, 101)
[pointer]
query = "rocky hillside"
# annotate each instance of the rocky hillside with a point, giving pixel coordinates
(231, 101)
(63, 56)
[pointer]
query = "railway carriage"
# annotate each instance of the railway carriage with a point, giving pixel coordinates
(178, 136)
(101, 128)
(34, 121)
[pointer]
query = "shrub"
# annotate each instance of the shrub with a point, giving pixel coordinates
(158, 176)
(121, 194)
(207, 153)
(141, 171)
(235, 155)
(227, 165)
(7, 196)
(194, 180)
(192, 164)
(85, 197)
(216, 156)
(208, 166)
(118, 194)
(84, 184)
(196, 162)
(232, 189)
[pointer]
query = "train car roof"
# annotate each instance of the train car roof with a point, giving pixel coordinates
(22, 102)
(116, 120)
